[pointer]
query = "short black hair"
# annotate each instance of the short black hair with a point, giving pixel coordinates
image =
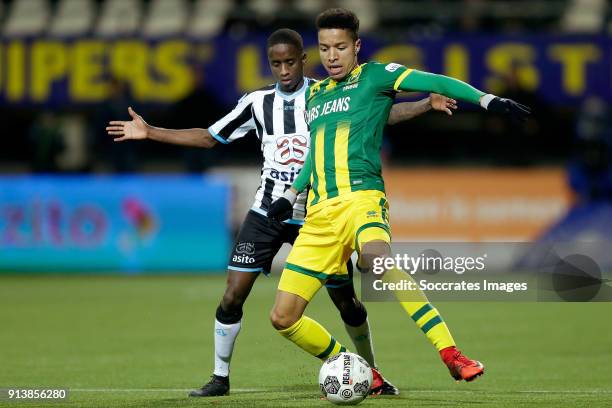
(286, 36)
(339, 18)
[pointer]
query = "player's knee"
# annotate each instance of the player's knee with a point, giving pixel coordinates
(281, 320)
(228, 316)
(353, 312)
(345, 306)
(232, 299)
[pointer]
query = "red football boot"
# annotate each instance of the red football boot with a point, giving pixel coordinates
(377, 382)
(381, 386)
(461, 367)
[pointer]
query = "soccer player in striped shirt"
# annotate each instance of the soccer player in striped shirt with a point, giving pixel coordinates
(347, 207)
(275, 115)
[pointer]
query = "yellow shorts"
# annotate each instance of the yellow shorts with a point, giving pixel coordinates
(333, 230)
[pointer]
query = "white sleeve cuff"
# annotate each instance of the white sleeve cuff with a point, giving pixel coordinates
(290, 195)
(486, 99)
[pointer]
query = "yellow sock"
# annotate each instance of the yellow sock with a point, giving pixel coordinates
(311, 337)
(426, 317)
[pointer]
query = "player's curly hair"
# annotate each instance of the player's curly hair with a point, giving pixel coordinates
(339, 18)
(286, 36)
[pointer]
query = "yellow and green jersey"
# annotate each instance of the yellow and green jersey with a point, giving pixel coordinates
(347, 119)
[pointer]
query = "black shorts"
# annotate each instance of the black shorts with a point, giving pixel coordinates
(258, 242)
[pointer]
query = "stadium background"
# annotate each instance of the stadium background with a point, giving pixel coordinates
(73, 202)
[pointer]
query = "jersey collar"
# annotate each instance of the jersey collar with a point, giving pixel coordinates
(293, 95)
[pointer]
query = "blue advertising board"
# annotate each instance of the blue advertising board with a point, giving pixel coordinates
(562, 69)
(114, 223)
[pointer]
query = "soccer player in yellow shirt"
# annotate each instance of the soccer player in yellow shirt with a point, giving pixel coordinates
(347, 207)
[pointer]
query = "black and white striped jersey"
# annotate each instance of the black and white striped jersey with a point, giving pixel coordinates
(277, 119)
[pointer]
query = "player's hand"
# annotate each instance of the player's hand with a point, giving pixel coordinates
(134, 129)
(516, 111)
(280, 210)
(442, 103)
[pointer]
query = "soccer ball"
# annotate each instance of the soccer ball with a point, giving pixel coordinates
(345, 379)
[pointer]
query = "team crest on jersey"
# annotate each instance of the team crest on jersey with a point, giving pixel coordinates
(314, 89)
(354, 75)
(291, 149)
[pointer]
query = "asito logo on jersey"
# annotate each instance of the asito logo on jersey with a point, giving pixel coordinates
(291, 149)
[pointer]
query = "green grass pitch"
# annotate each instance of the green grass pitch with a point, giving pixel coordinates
(145, 341)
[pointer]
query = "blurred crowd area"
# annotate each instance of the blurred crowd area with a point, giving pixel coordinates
(71, 138)
(387, 18)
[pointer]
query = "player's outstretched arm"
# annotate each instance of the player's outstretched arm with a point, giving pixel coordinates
(138, 129)
(414, 80)
(404, 111)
